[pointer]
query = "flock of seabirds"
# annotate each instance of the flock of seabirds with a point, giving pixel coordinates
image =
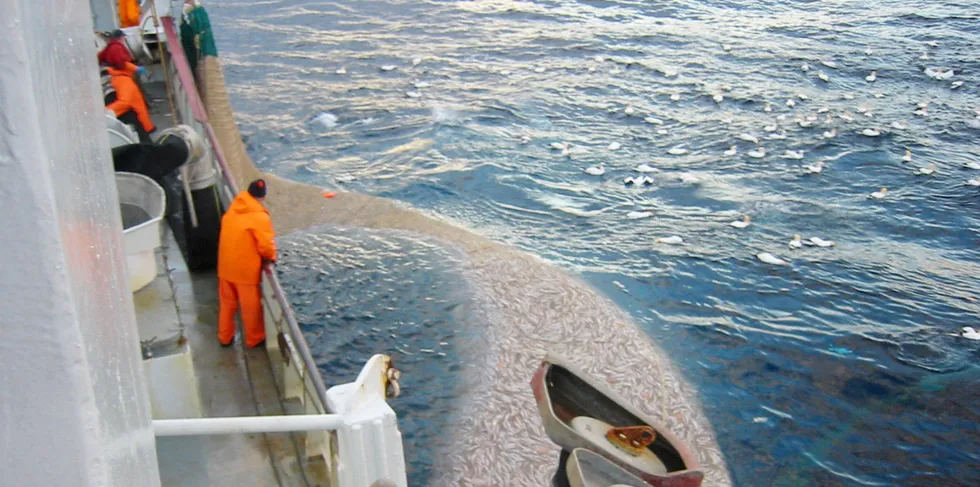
(773, 132)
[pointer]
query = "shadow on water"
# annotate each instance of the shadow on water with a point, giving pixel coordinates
(357, 293)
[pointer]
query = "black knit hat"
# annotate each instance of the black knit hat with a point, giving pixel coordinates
(257, 188)
(117, 34)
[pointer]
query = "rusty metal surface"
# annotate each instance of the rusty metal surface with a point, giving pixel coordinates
(631, 439)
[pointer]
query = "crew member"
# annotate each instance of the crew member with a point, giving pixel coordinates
(246, 239)
(129, 13)
(129, 105)
(115, 54)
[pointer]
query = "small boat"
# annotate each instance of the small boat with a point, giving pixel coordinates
(579, 412)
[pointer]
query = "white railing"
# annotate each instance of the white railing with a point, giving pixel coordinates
(247, 425)
(364, 428)
(364, 422)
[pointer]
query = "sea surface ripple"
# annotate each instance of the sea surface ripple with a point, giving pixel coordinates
(843, 368)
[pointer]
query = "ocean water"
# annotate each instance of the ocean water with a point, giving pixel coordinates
(357, 293)
(843, 368)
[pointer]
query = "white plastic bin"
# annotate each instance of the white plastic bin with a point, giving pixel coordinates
(119, 132)
(142, 202)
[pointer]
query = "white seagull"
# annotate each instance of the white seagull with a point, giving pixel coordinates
(731, 151)
(927, 171)
(758, 153)
(743, 223)
(819, 242)
(677, 150)
(771, 259)
(870, 133)
(596, 170)
(880, 194)
(796, 243)
(871, 77)
(908, 156)
(823, 77)
(814, 168)
(672, 240)
(646, 168)
(749, 138)
(970, 334)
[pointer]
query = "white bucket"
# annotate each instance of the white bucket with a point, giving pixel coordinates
(143, 203)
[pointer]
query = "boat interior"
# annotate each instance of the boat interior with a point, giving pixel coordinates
(572, 397)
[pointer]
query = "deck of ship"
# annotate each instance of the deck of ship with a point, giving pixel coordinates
(232, 381)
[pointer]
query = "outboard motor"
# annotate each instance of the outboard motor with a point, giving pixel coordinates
(604, 439)
(181, 147)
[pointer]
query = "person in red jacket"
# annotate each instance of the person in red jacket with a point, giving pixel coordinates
(246, 240)
(129, 105)
(115, 54)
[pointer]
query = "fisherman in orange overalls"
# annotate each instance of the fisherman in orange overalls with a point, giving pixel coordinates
(246, 239)
(129, 105)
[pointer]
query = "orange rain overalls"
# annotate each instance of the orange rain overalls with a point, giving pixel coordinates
(129, 13)
(128, 96)
(246, 239)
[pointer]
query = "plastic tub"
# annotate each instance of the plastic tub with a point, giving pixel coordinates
(142, 203)
(119, 133)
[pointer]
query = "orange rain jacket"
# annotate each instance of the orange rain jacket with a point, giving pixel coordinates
(246, 238)
(129, 13)
(128, 96)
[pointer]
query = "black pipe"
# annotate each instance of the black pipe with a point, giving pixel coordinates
(201, 250)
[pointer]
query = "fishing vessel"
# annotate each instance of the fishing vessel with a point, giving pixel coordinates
(171, 406)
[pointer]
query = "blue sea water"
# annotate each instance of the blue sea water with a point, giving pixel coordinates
(843, 368)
